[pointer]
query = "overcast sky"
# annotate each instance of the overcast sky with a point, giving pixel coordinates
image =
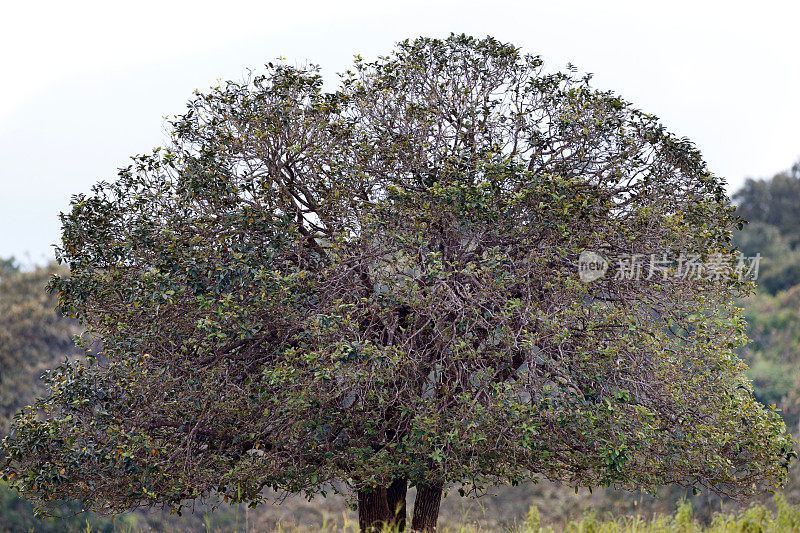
(85, 85)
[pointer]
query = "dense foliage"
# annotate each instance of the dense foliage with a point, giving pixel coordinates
(380, 286)
(34, 338)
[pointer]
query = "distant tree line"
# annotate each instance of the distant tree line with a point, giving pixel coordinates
(772, 208)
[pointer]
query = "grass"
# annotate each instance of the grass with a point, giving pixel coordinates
(780, 516)
(757, 518)
(754, 519)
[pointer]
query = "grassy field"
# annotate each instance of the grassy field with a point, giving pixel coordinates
(778, 517)
(774, 515)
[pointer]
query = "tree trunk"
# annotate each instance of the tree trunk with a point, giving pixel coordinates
(396, 500)
(426, 508)
(373, 509)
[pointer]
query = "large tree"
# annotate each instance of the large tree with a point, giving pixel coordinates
(379, 286)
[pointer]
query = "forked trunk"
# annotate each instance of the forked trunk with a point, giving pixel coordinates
(426, 508)
(381, 506)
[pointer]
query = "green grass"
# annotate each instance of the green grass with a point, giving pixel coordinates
(753, 519)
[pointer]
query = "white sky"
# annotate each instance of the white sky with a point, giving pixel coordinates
(85, 85)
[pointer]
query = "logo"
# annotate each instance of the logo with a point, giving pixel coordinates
(591, 266)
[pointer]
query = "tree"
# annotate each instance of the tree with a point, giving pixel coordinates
(380, 286)
(774, 201)
(8, 267)
(771, 206)
(780, 262)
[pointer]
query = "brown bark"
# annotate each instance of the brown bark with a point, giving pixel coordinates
(396, 500)
(426, 507)
(379, 506)
(373, 509)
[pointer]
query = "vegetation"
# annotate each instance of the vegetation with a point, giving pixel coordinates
(33, 338)
(557, 506)
(772, 207)
(309, 288)
(755, 518)
(773, 202)
(774, 353)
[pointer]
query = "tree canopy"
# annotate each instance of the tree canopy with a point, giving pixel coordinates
(380, 286)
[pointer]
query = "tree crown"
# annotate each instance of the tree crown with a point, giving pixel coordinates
(382, 282)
